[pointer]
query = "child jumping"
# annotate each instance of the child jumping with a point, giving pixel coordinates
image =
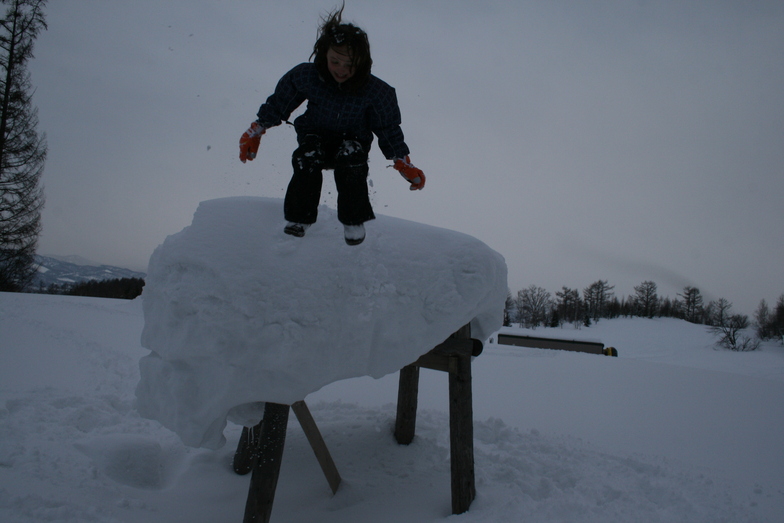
(346, 106)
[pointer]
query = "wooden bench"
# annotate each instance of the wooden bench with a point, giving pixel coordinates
(260, 448)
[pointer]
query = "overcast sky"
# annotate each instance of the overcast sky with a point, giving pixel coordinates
(623, 141)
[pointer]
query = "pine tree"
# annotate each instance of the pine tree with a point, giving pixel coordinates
(666, 309)
(777, 322)
(22, 149)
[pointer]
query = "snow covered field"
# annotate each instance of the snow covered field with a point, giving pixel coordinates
(671, 430)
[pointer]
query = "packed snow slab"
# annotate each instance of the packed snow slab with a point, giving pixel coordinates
(236, 312)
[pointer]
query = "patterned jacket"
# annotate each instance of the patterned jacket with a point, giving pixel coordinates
(373, 109)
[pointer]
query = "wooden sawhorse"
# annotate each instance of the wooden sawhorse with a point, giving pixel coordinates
(452, 356)
(260, 449)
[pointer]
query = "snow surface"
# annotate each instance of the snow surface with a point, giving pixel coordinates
(670, 431)
(237, 312)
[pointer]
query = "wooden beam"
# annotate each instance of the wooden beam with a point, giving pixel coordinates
(457, 344)
(433, 362)
(247, 450)
(266, 471)
(454, 357)
(452, 346)
(461, 434)
(591, 347)
(317, 444)
(407, 398)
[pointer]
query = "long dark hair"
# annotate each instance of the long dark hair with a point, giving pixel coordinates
(334, 33)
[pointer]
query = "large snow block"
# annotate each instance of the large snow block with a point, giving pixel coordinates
(237, 312)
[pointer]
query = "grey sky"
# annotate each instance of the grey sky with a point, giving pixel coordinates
(625, 141)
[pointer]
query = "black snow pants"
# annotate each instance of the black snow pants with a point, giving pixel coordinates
(349, 160)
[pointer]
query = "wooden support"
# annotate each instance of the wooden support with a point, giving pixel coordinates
(407, 394)
(591, 347)
(264, 479)
(461, 433)
(260, 450)
(247, 450)
(452, 356)
(317, 444)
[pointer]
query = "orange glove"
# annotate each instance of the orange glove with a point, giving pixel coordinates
(413, 175)
(250, 141)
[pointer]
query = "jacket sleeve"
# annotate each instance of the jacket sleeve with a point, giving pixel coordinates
(385, 123)
(286, 98)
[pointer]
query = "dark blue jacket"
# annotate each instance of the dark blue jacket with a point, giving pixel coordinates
(372, 109)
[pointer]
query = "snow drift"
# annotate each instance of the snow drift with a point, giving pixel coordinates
(236, 312)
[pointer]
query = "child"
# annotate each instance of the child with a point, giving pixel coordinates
(346, 107)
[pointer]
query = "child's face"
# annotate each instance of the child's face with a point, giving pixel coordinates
(340, 64)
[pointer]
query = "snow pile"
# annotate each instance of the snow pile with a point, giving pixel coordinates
(236, 312)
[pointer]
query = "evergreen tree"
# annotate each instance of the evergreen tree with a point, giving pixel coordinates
(665, 308)
(121, 288)
(555, 318)
(777, 323)
(22, 150)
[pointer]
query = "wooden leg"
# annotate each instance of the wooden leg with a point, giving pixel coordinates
(407, 393)
(264, 479)
(461, 433)
(316, 441)
(247, 450)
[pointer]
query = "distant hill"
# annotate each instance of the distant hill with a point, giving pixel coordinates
(58, 271)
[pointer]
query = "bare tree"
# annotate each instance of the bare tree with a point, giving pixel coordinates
(720, 312)
(569, 305)
(730, 328)
(596, 297)
(533, 305)
(22, 149)
(646, 299)
(509, 308)
(730, 334)
(692, 304)
(762, 321)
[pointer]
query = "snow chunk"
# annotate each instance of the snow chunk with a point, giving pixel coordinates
(237, 312)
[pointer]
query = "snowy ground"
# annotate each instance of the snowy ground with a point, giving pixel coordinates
(671, 430)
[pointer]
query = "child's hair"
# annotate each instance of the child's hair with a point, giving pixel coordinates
(333, 33)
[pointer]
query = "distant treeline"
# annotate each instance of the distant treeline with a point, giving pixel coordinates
(121, 288)
(534, 306)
